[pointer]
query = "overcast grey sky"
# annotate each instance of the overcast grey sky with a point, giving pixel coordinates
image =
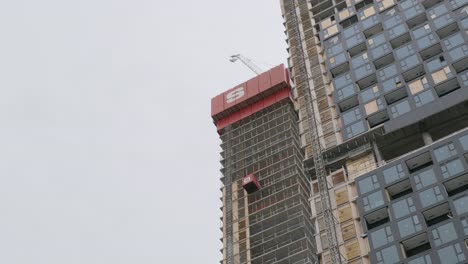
(107, 149)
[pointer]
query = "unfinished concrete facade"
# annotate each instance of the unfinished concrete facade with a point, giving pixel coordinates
(387, 78)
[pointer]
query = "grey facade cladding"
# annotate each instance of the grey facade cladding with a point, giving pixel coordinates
(390, 63)
(415, 209)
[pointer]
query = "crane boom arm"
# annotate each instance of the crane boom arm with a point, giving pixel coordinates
(247, 62)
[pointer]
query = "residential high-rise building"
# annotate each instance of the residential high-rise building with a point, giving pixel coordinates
(265, 192)
(382, 86)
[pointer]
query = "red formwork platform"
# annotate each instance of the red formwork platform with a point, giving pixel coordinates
(251, 96)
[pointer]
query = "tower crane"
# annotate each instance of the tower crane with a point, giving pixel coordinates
(252, 66)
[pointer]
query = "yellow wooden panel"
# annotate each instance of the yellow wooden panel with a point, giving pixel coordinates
(341, 196)
(357, 261)
(360, 166)
(371, 107)
(331, 31)
(441, 75)
(368, 12)
(326, 259)
(338, 178)
(352, 250)
(345, 213)
(348, 231)
(386, 4)
(417, 86)
(344, 14)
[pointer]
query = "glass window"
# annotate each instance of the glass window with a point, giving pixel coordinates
(351, 31)
(355, 129)
(397, 31)
(444, 234)
(368, 184)
(436, 64)
(393, 21)
(461, 205)
(458, 3)
(422, 31)
(388, 72)
(453, 41)
(459, 53)
(369, 22)
(391, 84)
(426, 41)
(373, 200)
(371, 93)
(407, 4)
(409, 226)
(359, 60)
(443, 21)
(342, 81)
(376, 40)
(388, 255)
(404, 51)
(445, 152)
(338, 48)
(380, 51)
(413, 11)
(465, 23)
(381, 237)
(354, 40)
(424, 98)
(410, 62)
(338, 59)
(464, 142)
(464, 222)
(451, 254)
(400, 108)
(346, 92)
(425, 178)
(438, 10)
(352, 116)
(431, 196)
(464, 77)
(403, 207)
(452, 168)
(426, 259)
(393, 174)
(363, 71)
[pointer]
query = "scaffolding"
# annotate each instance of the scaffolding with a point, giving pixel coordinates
(228, 198)
(302, 80)
(272, 224)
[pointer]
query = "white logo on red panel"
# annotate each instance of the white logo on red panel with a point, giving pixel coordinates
(246, 179)
(235, 94)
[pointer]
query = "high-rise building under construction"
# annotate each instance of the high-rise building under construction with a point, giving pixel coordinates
(265, 192)
(382, 90)
(380, 138)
